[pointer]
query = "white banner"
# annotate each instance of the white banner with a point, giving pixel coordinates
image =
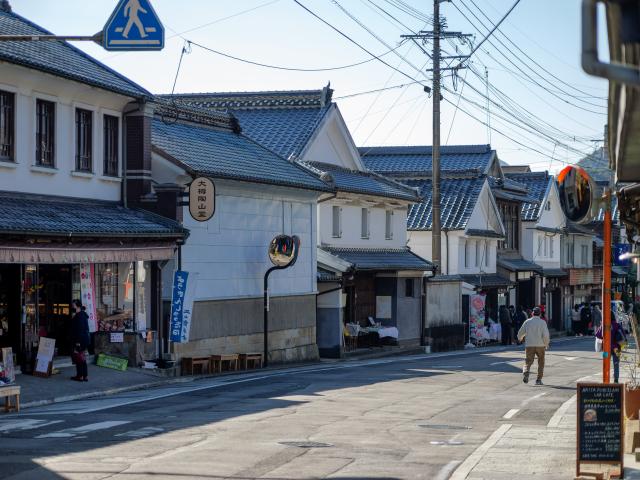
(88, 294)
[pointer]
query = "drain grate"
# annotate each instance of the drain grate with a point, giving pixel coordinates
(306, 444)
(448, 442)
(445, 427)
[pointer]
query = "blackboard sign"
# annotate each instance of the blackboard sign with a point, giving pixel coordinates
(600, 423)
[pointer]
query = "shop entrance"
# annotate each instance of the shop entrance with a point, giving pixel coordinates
(10, 331)
(54, 306)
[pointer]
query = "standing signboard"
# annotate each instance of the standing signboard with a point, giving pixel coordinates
(88, 294)
(184, 284)
(44, 359)
(600, 425)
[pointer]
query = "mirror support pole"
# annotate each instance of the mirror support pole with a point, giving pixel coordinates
(606, 290)
(266, 312)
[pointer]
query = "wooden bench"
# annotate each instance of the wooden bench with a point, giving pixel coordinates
(11, 392)
(218, 361)
(255, 359)
(189, 364)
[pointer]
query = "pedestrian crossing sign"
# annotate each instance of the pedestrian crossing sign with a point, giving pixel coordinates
(133, 26)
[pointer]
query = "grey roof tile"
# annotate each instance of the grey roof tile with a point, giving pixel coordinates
(417, 159)
(60, 58)
(537, 184)
(381, 258)
(488, 280)
(518, 264)
(221, 153)
(458, 197)
(363, 182)
(56, 216)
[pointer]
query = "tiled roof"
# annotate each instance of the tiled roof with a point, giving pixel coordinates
(221, 153)
(327, 276)
(577, 229)
(506, 189)
(487, 280)
(518, 265)
(60, 58)
(554, 273)
(281, 121)
(474, 232)
(537, 183)
(57, 216)
(361, 182)
(417, 159)
(615, 213)
(380, 258)
(458, 197)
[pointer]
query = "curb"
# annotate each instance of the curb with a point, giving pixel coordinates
(418, 352)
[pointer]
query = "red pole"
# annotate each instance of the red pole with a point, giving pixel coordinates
(606, 291)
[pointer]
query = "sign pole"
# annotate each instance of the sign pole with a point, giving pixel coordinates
(606, 290)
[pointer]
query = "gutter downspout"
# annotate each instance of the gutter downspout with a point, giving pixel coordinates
(446, 236)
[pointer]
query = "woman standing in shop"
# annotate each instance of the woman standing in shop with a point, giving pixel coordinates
(80, 339)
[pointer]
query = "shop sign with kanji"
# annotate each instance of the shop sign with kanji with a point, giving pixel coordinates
(202, 199)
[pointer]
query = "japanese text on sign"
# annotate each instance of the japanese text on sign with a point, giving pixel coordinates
(202, 196)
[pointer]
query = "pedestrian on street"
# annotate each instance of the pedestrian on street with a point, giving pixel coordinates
(585, 319)
(575, 320)
(617, 339)
(505, 324)
(80, 339)
(519, 319)
(535, 334)
(596, 315)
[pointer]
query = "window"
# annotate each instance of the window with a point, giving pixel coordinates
(7, 125)
(478, 254)
(45, 132)
(486, 253)
(111, 145)
(547, 206)
(365, 223)
(584, 252)
(337, 221)
(570, 253)
(551, 242)
(466, 254)
(388, 226)
(539, 246)
(84, 145)
(408, 287)
(546, 248)
(510, 214)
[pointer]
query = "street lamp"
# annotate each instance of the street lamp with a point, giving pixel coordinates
(283, 253)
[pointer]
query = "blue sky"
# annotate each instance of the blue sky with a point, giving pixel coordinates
(279, 32)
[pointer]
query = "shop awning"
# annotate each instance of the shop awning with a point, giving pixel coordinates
(380, 258)
(71, 218)
(618, 271)
(519, 265)
(554, 273)
(490, 280)
(86, 253)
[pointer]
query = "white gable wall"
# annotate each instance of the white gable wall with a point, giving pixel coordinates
(29, 85)
(534, 240)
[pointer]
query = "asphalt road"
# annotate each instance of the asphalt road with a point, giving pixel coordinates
(404, 417)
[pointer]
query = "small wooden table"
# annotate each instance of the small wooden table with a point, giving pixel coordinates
(217, 362)
(11, 392)
(189, 364)
(254, 358)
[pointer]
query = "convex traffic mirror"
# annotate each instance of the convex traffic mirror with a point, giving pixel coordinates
(576, 193)
(283, 250)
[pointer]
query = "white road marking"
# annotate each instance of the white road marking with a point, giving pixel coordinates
(472, 460)
(511, 413)
(25, 424)
(557, 417)
(570, 358)
(141, 432)
(526, 402)
(92, 427)
(445, 471)
(504, 361)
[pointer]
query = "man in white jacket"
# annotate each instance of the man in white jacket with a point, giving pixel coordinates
(535, 334)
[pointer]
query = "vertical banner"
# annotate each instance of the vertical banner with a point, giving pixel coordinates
(88, 294)
(184, 285)
(476, 315)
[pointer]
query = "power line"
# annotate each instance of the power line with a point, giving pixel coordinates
(367, 92)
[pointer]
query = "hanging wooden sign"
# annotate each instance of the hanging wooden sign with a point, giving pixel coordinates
(202, 199)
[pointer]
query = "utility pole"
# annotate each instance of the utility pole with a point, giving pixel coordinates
(436, 35)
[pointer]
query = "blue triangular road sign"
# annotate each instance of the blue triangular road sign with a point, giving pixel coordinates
(133, 25)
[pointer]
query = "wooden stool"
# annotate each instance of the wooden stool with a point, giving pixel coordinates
(9, 393)
(254, 358)
(189, 364)
(217, 362)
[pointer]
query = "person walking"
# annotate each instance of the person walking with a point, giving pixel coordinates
(596, 315)
(505, 324)
(617, 339)
(535, 334)
(575, 320)
(519, 319)
(80, 339)
(585, 319)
